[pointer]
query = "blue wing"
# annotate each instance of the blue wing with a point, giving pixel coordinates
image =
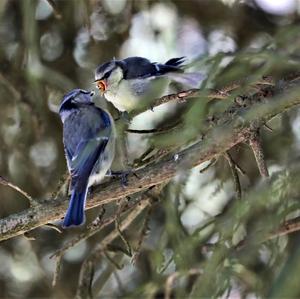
(80, 168)
(139, 67)
(86, 156)
(86, 133)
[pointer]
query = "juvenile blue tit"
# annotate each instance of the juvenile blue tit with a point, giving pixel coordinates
(89, 142)
(135, 81)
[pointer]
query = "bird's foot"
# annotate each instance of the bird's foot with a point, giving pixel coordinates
(121, 174)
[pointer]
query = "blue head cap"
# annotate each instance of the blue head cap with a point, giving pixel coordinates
(76, 96)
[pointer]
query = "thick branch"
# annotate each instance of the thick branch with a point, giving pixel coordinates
(230, 131)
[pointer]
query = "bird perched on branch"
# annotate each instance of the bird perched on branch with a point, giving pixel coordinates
(135, 81)
(89, 141)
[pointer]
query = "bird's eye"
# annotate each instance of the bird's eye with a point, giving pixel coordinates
(101, 85)
(106, 75)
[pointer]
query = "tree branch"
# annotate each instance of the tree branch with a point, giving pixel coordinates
(231, 130)
(255, 144)
(5, 182)
(220, 94)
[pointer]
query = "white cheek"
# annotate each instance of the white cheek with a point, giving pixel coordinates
(97, 77)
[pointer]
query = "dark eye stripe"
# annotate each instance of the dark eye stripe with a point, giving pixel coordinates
(106, 75)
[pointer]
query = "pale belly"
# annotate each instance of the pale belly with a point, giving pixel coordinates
(131, 94)
(103, 165)
(121, 102)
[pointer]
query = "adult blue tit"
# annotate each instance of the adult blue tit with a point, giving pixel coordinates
(135, 81)
(89, 141)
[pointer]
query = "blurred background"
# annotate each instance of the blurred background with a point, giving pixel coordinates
(48, 47)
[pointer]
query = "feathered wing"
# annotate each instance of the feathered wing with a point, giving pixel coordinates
(139, 67)
(85, 138)
(81, 167)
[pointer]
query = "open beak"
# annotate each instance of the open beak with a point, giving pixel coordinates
(101, 85)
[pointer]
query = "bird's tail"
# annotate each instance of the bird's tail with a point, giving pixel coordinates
(172, 65)
(173, 69)
(75, 213)
(178, 61)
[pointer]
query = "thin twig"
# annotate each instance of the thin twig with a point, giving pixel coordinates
(97, 252)
(5, 182)
(290, 226)
(139, 161)
(92, 229)
(255, 143)
(166, 265)
(239, 168)
(11, 88)
(122, 234)
(171, 279)
(84, 288)
(57, 269)
(235, 176)
(221, 94)
(268, 127)
(54, 227)
(29, 237)
(112, 261)
(143, 234)
(180, 97)
(155, 157)
(119, 282)
(154, 131)
(211, 163)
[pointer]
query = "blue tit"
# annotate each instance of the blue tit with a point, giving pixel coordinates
(89, 142)
(135, 81)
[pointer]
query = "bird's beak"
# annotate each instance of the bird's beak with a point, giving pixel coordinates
(101, 85)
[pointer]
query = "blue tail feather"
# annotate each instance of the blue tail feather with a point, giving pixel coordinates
(175, 61)
(172, 65)
(75, 214)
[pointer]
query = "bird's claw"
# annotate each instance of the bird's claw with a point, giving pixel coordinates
(121, 174)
